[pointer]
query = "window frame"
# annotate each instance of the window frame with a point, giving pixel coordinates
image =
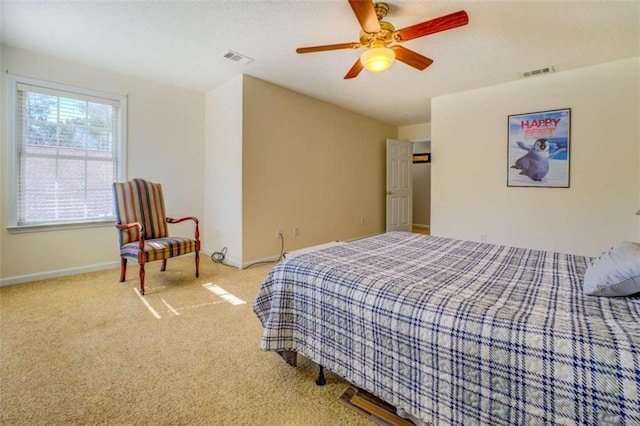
(13, 180)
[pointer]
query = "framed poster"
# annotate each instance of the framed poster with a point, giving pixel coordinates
(422, 157)
(538, 149)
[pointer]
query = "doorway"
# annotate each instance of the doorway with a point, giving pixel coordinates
(421, 205)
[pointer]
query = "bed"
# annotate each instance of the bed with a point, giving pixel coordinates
(460, 332)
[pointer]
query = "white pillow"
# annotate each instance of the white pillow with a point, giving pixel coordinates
(615, 273)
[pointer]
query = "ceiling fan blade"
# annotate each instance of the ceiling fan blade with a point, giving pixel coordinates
(328, 47)
(411, 58)
(442, 23)
(366, 15)
(355, 70)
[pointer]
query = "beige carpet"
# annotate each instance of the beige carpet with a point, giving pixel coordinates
(86, 350)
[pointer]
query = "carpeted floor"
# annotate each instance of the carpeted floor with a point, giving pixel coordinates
(86, 350)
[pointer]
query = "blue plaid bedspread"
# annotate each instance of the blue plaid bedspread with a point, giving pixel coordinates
(459, 332)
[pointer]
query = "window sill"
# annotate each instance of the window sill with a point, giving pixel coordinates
(47, 227)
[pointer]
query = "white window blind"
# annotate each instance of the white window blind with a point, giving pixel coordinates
(68, 146)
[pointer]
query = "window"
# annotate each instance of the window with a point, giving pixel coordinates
(67, 148)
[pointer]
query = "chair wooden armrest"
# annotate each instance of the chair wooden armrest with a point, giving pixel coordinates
(182, 219)
(124, 226)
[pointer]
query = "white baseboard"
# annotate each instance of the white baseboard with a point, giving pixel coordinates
(58, 273)
(298, 252)
(291, 254)
(256, 261)
(227, 261)
(116, 264)
(363, 237)
(418, 225)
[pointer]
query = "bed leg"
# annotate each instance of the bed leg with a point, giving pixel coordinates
(320, 381)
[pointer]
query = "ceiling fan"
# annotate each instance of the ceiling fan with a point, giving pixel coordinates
(376, 35)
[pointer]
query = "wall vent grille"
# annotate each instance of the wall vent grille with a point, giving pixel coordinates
(236, 57)
(539, 71)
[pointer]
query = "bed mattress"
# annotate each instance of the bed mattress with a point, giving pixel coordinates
(460, 332)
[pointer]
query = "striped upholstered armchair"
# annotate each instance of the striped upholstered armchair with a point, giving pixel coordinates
(142, 224)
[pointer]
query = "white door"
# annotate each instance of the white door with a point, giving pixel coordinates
(399, 185)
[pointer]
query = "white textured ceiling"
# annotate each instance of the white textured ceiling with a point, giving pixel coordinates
(181, 43)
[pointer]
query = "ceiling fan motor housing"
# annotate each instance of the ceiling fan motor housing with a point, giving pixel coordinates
(381, 10)
(385, 35)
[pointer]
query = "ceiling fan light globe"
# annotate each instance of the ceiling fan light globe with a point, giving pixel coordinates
(377, 59)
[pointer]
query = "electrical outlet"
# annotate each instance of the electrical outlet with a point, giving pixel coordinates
(278, 233)
(362, 220)
(296, 231)
(483, 238)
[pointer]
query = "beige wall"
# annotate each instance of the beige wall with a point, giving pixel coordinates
(469, 136)
(309, 164)
(223, 171)
(274, 159)
(415, 132)
(165, 144)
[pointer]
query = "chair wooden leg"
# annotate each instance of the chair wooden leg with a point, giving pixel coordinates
(164, 265)
(142, 279)
(123, 269)
(197, 265)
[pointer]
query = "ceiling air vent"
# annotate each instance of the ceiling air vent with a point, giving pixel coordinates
(237, 57)
(539, 71)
